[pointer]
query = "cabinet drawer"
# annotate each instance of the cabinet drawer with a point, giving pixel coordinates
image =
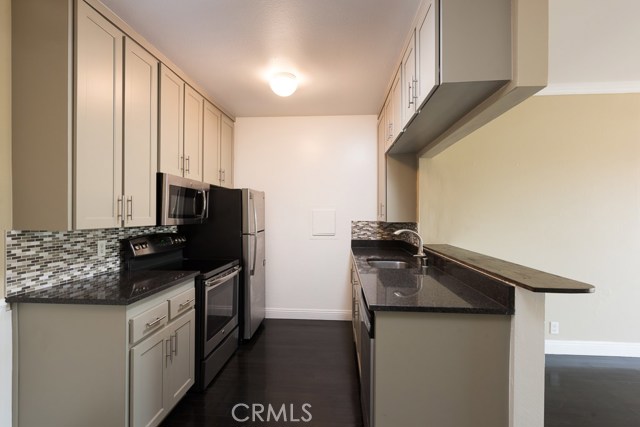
(148, 322)
(181, 303)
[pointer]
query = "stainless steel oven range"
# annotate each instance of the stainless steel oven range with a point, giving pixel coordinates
(217, 287)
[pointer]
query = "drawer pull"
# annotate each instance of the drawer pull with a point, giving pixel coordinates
(186, 303)
(155, 322)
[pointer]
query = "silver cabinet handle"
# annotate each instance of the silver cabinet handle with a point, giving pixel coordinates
(410, 97)
(188, 170)
(220, 175)
(390, 131)
(130, 208)
(415, 89)
(167, 348)
(181, 164)
(119, 209)
(175, 345)
(224, 175)
(155, 322)
(186, 303)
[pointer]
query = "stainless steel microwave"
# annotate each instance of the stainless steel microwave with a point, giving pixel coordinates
(181, 200)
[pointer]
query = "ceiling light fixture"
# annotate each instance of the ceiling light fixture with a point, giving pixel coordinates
(283, 84)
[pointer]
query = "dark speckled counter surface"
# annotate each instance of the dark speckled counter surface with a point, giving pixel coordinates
(411, 290)
(119, 288)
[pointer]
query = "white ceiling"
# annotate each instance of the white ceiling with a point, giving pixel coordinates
(343, 51)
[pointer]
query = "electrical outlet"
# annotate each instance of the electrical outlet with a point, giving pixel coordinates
(554, 328)
(102, 248)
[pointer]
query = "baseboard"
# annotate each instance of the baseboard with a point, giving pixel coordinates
(593, 348)
(590, 88)
(307, 314)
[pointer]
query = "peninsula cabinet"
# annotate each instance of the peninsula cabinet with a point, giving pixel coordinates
(218, 147)
(90, 160)
(181, 130)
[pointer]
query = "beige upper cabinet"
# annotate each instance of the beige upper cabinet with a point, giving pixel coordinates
(226, 152)
(458, 54)
(193, 105)
(393, 111)
(427, 63)
(171, 155)
(98, 148)
(409, 82)
(211, 148)
(140, 135)
(91, 161)
(382, 169)
(116, 135)
(218, 147)
(181, 127)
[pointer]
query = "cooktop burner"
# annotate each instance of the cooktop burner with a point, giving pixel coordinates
(164, 251)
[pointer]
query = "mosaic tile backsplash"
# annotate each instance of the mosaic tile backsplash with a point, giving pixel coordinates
(39, 259)
(377, 230)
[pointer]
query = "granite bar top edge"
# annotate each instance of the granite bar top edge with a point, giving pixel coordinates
(565, 286)
(165, 280)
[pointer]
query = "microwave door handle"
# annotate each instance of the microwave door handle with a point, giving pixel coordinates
(204, 204)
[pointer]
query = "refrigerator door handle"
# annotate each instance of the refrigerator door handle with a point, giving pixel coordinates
(255, 253)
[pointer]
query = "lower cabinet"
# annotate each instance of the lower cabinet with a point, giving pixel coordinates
(104, 365)
(162, 371)
(355, 309)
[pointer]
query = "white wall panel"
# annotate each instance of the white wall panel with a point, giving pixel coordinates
(305, 164)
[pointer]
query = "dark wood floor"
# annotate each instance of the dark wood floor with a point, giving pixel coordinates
(584, 391)
(288, 362)
(297, 362)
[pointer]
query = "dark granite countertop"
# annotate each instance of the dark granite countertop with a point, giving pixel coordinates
(119, 288)
(433, 291)
(506, 272)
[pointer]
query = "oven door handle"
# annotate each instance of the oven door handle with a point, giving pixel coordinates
(212, 283)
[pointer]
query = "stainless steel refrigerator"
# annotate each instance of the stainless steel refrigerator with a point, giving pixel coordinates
(235, 229)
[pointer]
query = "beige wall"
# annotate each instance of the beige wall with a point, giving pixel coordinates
(5, 131)
(553, 184)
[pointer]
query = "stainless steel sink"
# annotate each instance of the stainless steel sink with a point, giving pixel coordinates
(388, 263)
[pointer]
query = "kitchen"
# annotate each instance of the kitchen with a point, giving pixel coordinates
(471, 222)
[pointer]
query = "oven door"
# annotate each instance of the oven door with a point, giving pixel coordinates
(181, 200)
(220, 308)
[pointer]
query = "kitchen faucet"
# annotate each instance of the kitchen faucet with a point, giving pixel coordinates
(420, 242)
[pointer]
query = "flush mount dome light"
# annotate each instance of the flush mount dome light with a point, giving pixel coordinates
(283, 84)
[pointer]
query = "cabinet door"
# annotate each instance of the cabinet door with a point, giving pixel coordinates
(226, 152)
(171, 154)
(180, 371)
(211, 145)
(382, 169)
(427, 54)
(193, 105)
(395, 109)
(149, 360)
(98, 144)
(140, 135)
(409, 82)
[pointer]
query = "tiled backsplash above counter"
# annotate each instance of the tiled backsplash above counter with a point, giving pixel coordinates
(377, 230)
(38, 259)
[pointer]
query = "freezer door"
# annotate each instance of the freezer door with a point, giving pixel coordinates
(253, 211)
(254, 283)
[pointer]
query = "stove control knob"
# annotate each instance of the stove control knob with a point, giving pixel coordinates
(136, 247)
